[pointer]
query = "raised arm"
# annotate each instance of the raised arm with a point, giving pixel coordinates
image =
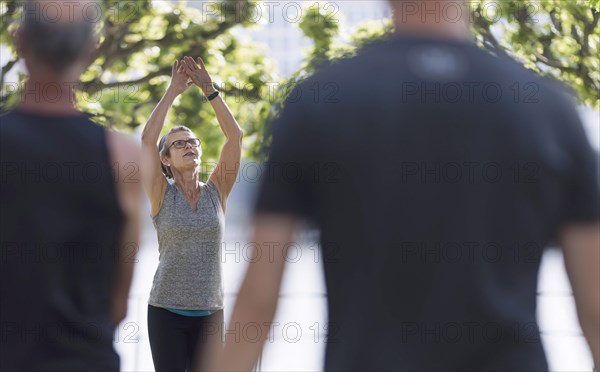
(581, 246)
(227, 168)
(153, 180)
(257, 298)
(125, 153)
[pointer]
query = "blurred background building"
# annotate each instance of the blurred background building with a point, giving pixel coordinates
(276, 24)
(287, 44)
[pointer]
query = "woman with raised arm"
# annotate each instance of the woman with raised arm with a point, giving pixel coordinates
(186, 301)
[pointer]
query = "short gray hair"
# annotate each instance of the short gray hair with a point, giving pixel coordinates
(57, 44)
(163, 151)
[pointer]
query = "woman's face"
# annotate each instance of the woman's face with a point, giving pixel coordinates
(185, 158)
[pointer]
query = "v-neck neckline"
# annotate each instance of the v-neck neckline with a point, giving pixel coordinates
(187, 202)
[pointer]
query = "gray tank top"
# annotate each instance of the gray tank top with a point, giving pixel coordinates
(189, 244)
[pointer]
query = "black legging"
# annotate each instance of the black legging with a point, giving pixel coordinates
(175, 339)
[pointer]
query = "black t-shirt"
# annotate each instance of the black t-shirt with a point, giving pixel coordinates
(437, 173)
(59, 222)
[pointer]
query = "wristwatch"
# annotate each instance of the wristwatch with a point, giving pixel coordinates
(213, 95)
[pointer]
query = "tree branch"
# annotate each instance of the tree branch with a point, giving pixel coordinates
(6, 68)
(489, 40)
(115, 54)
(95, 86)
(555, 21)
(584, 52)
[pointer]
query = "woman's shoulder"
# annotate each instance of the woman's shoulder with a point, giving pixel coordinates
(209, 185)
(170, 187)
(169, 190)
(214, 190)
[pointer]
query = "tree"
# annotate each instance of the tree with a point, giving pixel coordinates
(552, 37)
(130, 68)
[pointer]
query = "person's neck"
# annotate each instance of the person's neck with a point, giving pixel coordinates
(430, 28)
(48, 96)
(188, 182)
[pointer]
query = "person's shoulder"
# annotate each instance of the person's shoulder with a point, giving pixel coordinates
(122, 145)
(506, 70)
(506, 66)
(333, 69)
(87, 120)
(8, 118)
(7, 113)
(551, 98)
(333, 77)
(13, 125)
(546, 91)
(386, 57)
(16, 116)
(561, 101)
(124, 152)
(212, 187)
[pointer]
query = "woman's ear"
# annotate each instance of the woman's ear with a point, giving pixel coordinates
(165, 161)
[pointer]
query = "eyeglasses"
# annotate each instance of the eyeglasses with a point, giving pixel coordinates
(180, 144)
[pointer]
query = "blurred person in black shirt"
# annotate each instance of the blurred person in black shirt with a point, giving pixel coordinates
(436, 188)
(69, 218)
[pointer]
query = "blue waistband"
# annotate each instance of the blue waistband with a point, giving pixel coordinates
(192, 312)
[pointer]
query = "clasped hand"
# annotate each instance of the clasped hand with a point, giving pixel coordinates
(187, 72)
